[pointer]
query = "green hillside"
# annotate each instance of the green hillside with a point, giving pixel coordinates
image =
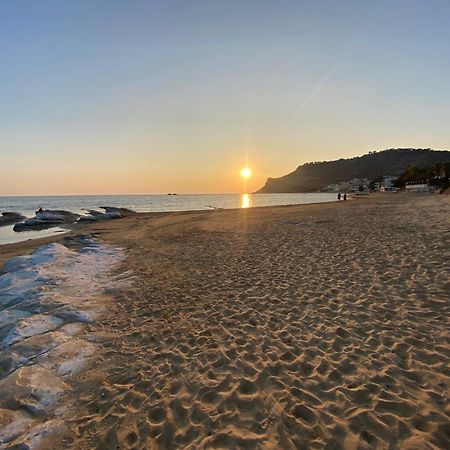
(312, 177)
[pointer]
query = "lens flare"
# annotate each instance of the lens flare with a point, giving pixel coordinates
(246, 172)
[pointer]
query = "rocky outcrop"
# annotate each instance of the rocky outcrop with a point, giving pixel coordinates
(116, 210)
(111, 212)
(47, 219)
(10, 218)
(52, 218)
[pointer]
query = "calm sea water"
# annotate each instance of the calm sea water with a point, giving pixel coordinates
(143, 203)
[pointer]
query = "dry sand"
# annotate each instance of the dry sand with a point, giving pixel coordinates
(319, 326)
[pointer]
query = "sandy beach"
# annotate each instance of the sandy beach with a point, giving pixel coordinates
(300, 327)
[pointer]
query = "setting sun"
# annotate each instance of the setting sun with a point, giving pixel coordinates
(246, 172)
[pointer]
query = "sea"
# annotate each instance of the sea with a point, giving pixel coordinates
(142, 203)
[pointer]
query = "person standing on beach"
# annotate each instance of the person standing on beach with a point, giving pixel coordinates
(345, 197)
(339, 196)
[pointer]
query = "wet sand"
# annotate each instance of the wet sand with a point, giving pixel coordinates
(313, 326)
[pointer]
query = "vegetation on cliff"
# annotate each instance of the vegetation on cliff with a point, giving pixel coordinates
(435, 175)
(312, 177)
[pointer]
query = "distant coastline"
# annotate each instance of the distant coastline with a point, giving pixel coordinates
(316, 176)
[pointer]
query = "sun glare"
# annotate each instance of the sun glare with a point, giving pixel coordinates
(246, 172)
(245, 201)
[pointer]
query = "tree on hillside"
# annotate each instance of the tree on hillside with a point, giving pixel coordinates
(377, 179)
(435, 175)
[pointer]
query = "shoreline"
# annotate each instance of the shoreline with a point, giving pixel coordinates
(217, 202)
(274, 327)
(17, 248)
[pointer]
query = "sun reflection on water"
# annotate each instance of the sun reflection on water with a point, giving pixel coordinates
(245, 201)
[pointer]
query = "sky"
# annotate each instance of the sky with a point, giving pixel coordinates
(135, 97)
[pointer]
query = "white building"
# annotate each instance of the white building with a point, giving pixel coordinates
(419, 187)
(343, 186)
(331, 188)
(388, 183)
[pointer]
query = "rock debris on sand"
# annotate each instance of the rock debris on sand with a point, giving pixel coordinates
(45, 300)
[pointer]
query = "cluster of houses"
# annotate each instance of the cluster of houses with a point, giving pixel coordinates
(354, 185)
(366, 185)
(387, 184)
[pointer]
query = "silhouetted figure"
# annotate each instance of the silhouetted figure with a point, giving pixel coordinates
(345, 197)
(339, 196)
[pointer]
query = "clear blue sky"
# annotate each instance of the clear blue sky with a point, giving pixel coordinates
(157, 96)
